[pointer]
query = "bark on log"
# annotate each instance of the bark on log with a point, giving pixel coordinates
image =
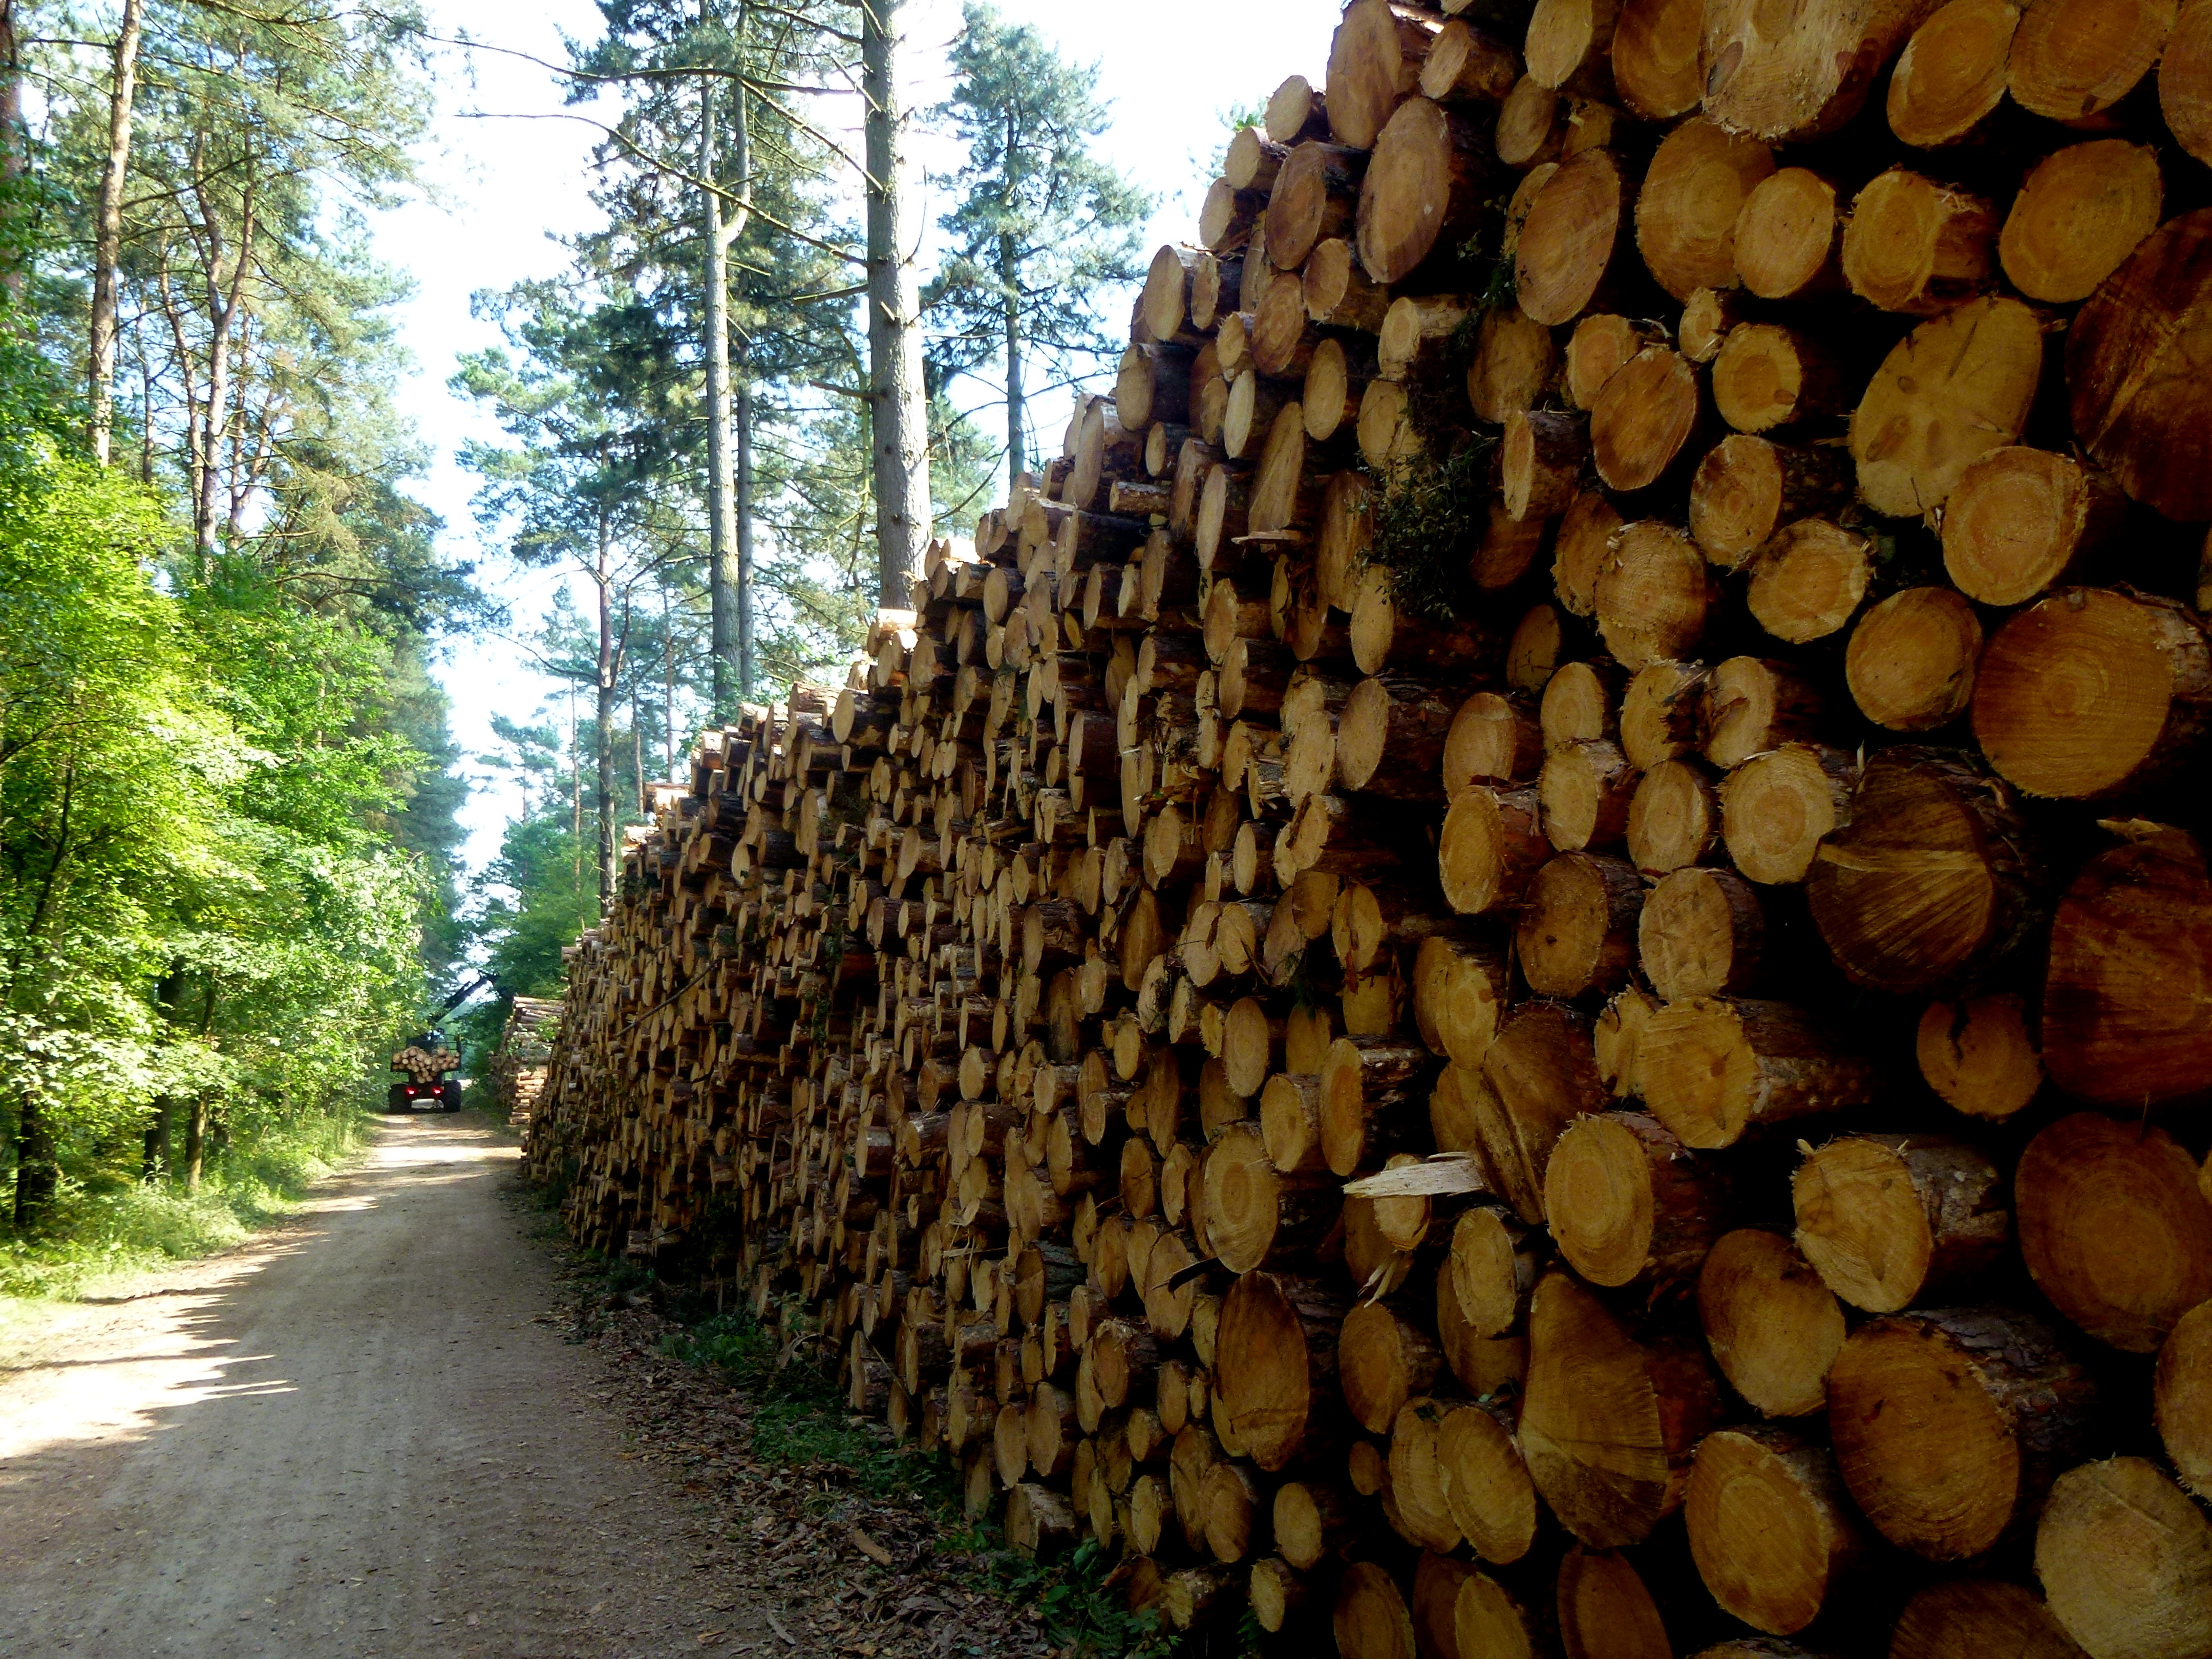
(1890, 1220)
(1714, 1071)
(1949, 1427)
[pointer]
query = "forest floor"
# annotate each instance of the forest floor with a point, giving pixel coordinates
(406, 1422)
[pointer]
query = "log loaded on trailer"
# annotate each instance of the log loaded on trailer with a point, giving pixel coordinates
(430, 1062)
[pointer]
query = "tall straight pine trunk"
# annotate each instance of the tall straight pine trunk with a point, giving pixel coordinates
(107, 227)
(721, 538)
(603, 729)
(898, 407)
(729, 505)
(1009, 279)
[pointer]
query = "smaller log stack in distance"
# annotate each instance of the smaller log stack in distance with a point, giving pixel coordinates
(1522, 966)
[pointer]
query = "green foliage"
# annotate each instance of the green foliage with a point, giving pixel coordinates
(1429, 521)
(1042, 226)
(93, 1235)
(224, 840)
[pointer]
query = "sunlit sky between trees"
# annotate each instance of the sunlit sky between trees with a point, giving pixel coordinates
(507, 186)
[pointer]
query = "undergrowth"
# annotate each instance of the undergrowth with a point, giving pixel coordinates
(1428, 524)
(801, 1423)
(87, 1236)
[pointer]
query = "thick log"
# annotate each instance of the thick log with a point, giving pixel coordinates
(2022, 521)
(2081, 211)
(2115, 1228)
(1911, 659)
(1951, 75)
(2130, 951)
(2182, 1397)
(1789, 236)
(1577, 933)
(1771, 1528)
(1542, 1074)
(1956, 387)
(1374, 62)
(1492, 845)
(1929, 881)
(1673, 819)
(1746, 487)
(1653, 596)
(1767, 377)
(1790, 79)
(1628, 1207)
(1714, 1071)
(1315, 195)
(2147, 719)
(1778, 808)
(1949, 1427)
(2071, 60)
(1575, 247)
(2125, 1560)
(1890, 1220)
(1964, 1616)
(1605, 1610)
(1464, 65)
(1608, 1425)
(1915, 246)
(1772, 1326)
(1701, 933)
(1647, 418)
(1431, 172)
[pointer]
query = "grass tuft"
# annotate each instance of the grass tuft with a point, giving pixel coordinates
(88, 1236)
(802, 1424)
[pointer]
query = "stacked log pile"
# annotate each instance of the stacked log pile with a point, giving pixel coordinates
(1524, 965)
(423, 1064)
(518, 1065)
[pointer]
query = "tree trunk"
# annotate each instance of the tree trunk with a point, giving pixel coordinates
(107, 231)
(1008, 273)
(747, 665)
(724, 584)
(195, 1125)
(602, 729)
(899, 407)
(34, 1162)
(222, 322)
(12, 158)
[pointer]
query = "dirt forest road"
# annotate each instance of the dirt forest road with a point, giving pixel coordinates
(352, 1438)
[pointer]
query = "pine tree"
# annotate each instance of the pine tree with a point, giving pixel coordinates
(1042, 225)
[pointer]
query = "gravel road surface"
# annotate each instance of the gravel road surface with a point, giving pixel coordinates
(354, 1438)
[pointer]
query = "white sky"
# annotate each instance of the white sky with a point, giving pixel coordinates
(507, 189)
